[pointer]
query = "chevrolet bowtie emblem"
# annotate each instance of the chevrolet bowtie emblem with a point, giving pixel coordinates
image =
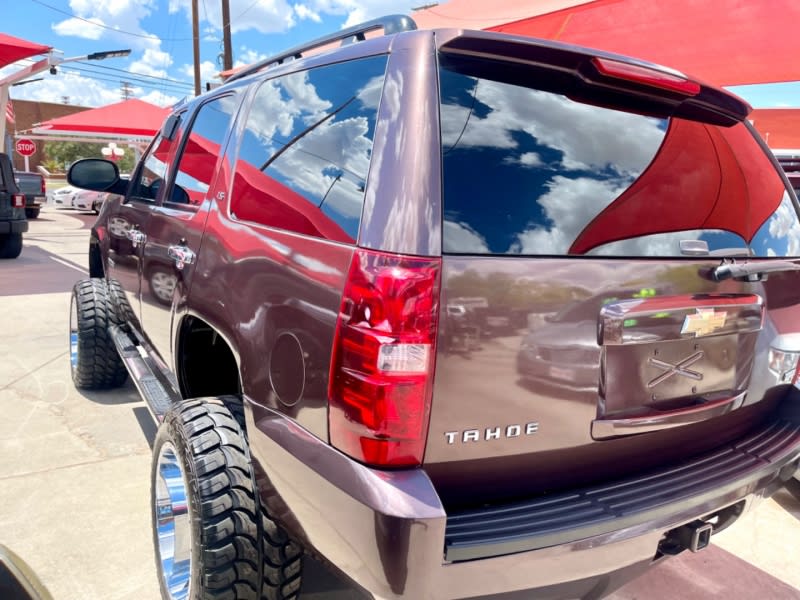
(706, 321)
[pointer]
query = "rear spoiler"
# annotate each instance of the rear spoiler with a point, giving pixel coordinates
(599, 77)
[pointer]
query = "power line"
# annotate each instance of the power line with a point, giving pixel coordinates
(150, 82)
(140, 35)
(147, 85)
(130, 74)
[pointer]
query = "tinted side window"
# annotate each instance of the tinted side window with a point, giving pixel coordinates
(529, 171)
(196, 165)
(306, 149)
(150, 177)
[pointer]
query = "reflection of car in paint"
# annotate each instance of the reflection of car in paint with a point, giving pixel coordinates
(307, 364)
(561, 348)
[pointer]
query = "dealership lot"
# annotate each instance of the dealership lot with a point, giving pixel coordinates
(74, 475)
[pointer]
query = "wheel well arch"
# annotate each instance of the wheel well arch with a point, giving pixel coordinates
(206, 364)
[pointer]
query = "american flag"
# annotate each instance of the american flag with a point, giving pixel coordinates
(10, 112)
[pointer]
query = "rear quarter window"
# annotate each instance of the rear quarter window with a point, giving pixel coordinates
(306, 149)
(529, 171)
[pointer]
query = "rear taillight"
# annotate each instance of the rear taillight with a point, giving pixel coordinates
(646, 76)
(18, 200)
(44, 186)
(383, 358)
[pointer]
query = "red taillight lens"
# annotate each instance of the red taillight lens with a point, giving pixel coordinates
(44, 186)
(646, 76)
(18, 201)
(383, 358)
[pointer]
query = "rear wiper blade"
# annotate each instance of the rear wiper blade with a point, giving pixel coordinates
(751, 271)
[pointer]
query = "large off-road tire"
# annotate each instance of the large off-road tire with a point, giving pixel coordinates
(213, 539)
(94, 361)
(32, 213)
(10, 245)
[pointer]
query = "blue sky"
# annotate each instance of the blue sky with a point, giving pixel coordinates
(158, 32)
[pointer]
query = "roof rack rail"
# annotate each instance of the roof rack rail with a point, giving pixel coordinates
(390, 24)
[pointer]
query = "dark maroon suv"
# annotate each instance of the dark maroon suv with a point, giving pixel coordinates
(460, 313)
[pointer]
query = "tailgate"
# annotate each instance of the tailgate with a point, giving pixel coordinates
(595, 379)
(583, 333)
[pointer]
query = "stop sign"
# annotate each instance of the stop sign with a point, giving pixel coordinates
(25, 147)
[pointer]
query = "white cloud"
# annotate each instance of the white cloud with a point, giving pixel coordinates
(246, 56)
(783, 225)
(79, 28)
(303, 12)
(460, 237)
(159, 98)
(358, 11)
(569, 205)
(208, 71)
(124, 15)
(79, 90)
(626, 142)
(154, 63)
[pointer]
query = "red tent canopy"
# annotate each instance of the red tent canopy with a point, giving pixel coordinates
(780, 127)
(130, 118)
(13, 49)
(724, 42)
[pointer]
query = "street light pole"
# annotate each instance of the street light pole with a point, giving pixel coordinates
(50, 62)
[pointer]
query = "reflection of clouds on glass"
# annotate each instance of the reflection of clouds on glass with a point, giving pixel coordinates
(526, 159)
(341, 145)
(569, 204)
(460, 237)
(657, 244)
(370, 94)
(303, 95)
(784, 229)
(588, 136)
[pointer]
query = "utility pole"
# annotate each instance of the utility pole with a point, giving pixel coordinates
(196, 48)
(227, 53)
(125, 89)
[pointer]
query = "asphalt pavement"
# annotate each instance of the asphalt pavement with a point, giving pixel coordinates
(75, 465)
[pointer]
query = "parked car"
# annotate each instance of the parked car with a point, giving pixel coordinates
(13, 222)
(35, 190)
(63, 196)
(340, 226)
(88, 200)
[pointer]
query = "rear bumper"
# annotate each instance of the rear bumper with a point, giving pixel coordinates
(390, 534)
(17, 226)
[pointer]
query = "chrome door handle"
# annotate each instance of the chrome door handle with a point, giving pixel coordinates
(182, 255)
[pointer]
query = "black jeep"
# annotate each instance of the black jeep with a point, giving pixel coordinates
(12, 211)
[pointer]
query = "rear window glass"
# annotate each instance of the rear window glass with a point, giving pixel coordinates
(533, 172)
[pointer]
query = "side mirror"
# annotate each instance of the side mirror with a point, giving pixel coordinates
(17, 580)
(96, 174)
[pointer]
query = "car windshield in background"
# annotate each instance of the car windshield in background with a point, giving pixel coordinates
(565, 177)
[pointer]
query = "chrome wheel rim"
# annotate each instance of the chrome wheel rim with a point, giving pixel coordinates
(163, 285)
(73, 334)
(173, 523)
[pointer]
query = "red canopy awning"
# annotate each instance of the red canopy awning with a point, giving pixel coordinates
(724, 42)
(13, 49)
(780, 127)
(130, 118)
